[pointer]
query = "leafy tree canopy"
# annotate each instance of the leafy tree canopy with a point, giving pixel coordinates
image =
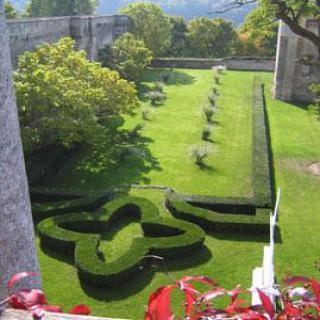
(64, 99)
(48, 8)
(10, 11)
(131, 56)
(210, 38)
(151, 25)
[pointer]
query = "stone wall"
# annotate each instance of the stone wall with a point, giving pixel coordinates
(232, 63)
(91, 33)
(297, 65)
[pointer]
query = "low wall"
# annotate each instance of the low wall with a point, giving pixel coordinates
(232, 63)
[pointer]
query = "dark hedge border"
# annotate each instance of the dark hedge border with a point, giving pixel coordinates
(48, 202)
(257, 221)
(79, 235)
(262, 169)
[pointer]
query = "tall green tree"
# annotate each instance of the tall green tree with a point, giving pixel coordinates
(151, 25)
(63, 98)
(47, 8)
(292, 12)
(179, 31)
(210, 38)
(131, 56)
(10, 11)
(262, 29)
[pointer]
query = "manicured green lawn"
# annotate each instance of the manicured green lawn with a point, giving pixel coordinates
(173, 128)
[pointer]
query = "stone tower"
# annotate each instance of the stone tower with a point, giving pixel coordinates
(17, 247)
(297, 66)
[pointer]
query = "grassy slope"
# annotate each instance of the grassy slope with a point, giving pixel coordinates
(227, 259)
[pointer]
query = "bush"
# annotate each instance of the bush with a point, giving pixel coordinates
(209, 112)
(215, 91)
(212, 100)
(216, 79)
(206, 132)
(131, 56)
(60, 100)
(219, 70)
(165, 77)
(146, 114)
(199, 153)
(315, 107)
(156, 97)
(79, 235)
(158, 86)
(211, 217)
(135, 132)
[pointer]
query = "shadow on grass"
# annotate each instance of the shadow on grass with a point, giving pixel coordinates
(176, 77)
(246, 237)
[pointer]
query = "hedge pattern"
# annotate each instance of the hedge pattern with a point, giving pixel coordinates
(78, 234)
(217, 218)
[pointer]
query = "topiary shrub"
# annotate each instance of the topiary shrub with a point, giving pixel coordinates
(215, 91)
(212, 100)
(158, 86)
(199, 153)
(156, 97)
(206, 132)
(78, 234)
(146, 114)
(216, 79)
(209, 112)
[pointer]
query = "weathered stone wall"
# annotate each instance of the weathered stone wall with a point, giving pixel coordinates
(297, 65)
(91, 33)
(17, 247)
(232, 63)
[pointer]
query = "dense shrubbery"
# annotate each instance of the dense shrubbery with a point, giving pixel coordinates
(79, 234)
(315, 107)
(61, 101)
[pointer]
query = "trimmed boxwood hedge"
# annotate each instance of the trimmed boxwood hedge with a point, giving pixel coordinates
(49, 202)
(79, 235)
(262, 170)
(256, 222)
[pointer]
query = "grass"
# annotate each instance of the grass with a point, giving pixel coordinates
(172, 128)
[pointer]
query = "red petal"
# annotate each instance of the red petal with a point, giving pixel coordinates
(204, 280)
(267, 304)
(32, 297)
(80, 309)
(290, 310)
(16, 303)
(315, 285)
(293, 280)
(20, 276)
(159, 304)
(190, 298)
(214, 294)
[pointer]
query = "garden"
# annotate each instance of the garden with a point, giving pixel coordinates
(155, 199)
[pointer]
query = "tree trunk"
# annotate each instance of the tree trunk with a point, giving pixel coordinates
(17, 247)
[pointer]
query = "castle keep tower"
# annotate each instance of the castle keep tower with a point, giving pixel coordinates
(297, 66)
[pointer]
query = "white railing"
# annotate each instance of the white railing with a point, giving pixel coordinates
(263, 277)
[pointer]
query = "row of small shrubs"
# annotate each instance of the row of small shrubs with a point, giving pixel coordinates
(78, 234)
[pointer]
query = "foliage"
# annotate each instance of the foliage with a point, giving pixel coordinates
(34, 300)
(178, 47)
(63, 97)
(146, 114)
(297, 302)
(49, 8)
(10, 11)
(209, 112)
(315, 107)
(262, 29)
(131, 56)
(158, 86)
(215, 91)
(245, 46)
(212, 100)
(156, 97)
(165, 77)
(199, 153)
(135, 132)
(233, 215)
(79, 234)
(206, 132)
(210, 38)
(216, 79)
(151, 25)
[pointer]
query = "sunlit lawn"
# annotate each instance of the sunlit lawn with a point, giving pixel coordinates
(173, 128)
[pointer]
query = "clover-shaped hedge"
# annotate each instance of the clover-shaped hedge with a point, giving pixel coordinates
(79, 234)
